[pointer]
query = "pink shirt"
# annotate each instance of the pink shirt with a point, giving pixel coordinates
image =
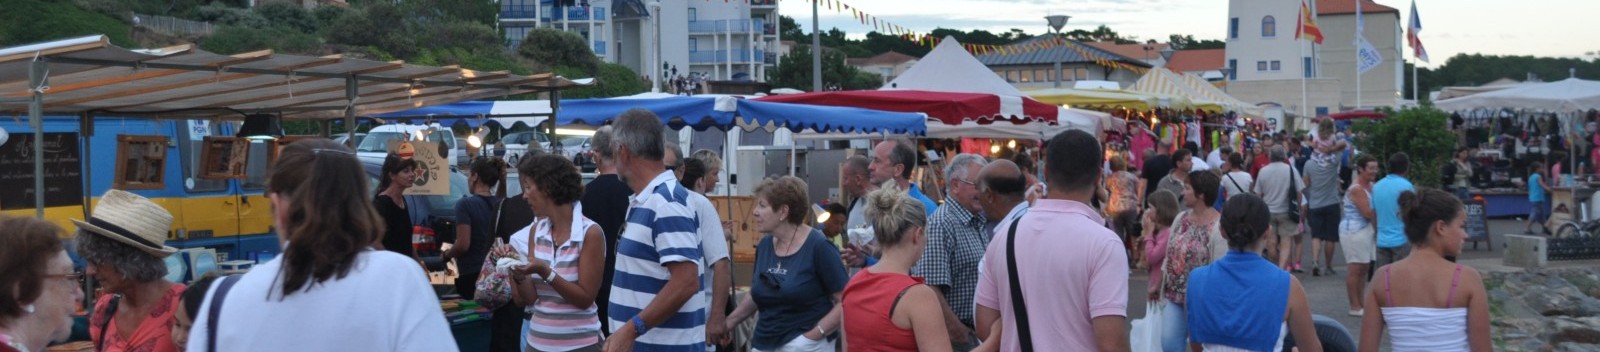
(1074, 270)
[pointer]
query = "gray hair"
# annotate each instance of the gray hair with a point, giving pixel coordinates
(903, 154)
(957, 169)
(601, 143)
(673, 148)
(857, 164)
(641, 131)
(133, 263)
(1277, 153)
(709, 157)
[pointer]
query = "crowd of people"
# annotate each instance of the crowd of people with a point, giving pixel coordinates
(1012, 259)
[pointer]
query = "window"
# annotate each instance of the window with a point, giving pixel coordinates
(1013, 76)
(694, 45)
(1261, 66)
(887, 71)
(1276, 66)
(1269, 27)
(189, 147)
(1233, 28)
(1233, 69)
(693, 15)
(1306, 66)
(1080, 74)
(1040, 76)
(1002, 74)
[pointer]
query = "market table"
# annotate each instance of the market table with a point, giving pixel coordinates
(1504, 203)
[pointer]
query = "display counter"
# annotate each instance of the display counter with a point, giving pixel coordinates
(1501, 203)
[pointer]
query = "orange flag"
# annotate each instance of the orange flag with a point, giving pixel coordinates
(1307, 26)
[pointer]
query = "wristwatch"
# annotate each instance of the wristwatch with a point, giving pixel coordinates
(638, 326)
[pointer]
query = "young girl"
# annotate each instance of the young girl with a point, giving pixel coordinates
(1414, 313)
(1538, 197)
(1326, 144)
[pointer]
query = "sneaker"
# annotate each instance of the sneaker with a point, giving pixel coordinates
(1296, 269)
(1316, 271)
(1329, 270)
(1356, 312)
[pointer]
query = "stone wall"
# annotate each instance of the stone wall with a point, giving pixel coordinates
(1545, 309)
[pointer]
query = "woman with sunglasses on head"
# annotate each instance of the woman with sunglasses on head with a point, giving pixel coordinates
(1438, 305)
(566, 254)
(799, 278)
(39, 290)
(122, 244)
(330, 290)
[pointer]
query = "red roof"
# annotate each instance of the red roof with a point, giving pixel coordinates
(1198, 60)
(1132, 51)
(1346, 7)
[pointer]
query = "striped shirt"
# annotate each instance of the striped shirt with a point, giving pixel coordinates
(661, 229)
(557, 325)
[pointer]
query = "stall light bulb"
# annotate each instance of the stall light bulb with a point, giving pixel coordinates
(994, 149)
(474, 141)
(1012, 144)
(421, 136)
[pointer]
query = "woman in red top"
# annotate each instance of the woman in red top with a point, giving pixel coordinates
(122, 244)
(885, 308)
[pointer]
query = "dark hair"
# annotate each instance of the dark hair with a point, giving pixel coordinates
(785, 191)
(693, 171)
(1244, 220)
(1363, 159)
(1226, 150)
(1072, 161)
(26, 247)
(134, 264)
(490, 171)
(1421, 208)
(836, 209)
(1206, 185)
(1237, 160)
(1024, 163)
(554, 175)
(903, 153)
(195, 293)
(1399, 163)
(1536, 167)
(1180, 155)
(393, 164)
(1192, 147)
(330, 221)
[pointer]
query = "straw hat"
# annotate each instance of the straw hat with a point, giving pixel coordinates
(131, 219)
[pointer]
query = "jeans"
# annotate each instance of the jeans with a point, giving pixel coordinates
(1174, 329)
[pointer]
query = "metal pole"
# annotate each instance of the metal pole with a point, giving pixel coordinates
(816, 50)
(86, 136)
(1414, 88)
(36, 82)
(351, 93)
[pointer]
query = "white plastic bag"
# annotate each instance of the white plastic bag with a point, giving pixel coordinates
(1145, 335)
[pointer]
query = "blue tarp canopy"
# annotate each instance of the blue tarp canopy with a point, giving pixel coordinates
(699, 113)
(800, 117)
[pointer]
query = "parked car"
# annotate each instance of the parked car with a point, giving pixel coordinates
(375, 145)
(517, 144)
(436, 211)
(341, 138)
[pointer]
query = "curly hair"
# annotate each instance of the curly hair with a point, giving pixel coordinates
(785, 191)
(1244, 220)
(133, 263)
(554, 176)
(25, 251)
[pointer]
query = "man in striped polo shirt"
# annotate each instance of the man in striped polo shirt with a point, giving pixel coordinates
(655, 303)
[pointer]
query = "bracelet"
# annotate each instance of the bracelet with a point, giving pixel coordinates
(550, 277)
(820, 332)
(638, 326)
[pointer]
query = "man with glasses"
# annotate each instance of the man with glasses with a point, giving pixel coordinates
(956, 237)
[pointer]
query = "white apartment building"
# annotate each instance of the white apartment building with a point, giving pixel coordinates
(713, 39)
(1272, 68)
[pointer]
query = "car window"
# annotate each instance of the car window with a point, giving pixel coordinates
(573, 141)
(445, 206)
(378, 142)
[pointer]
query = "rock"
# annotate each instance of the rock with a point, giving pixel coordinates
(1577, 347)
(1557, 297)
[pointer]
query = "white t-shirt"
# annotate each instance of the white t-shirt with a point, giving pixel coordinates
(383, 304)
(1196, 164)
(712, 241)
(1237, 182)
(1214, 160)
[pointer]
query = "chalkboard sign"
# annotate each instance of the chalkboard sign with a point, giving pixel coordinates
(1477, 225)
(63, 173)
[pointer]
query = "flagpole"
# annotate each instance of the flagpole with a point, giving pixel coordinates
(1414, 88)
(1304, 101)
(1358, 38)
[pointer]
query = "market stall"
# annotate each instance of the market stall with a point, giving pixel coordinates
(1514, 126)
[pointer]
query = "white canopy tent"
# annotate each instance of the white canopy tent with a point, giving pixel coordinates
(1568, 95)
(949, 68)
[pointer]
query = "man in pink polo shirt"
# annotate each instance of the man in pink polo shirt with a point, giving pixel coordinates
(1073, 270)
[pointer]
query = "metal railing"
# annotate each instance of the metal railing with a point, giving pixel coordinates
(574, 13)
(719, 26)
(172, 26)
(726, 56)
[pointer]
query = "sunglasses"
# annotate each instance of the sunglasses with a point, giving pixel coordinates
(773, 281)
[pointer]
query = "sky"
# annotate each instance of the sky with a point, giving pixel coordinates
(1556, 28)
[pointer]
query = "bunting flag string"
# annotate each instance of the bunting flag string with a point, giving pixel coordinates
(928, 40)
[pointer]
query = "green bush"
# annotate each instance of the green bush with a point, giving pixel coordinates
(33, 21)
(614, 80)
(219, 14)
(237, 39)
(291, 15)
(1422, 133)
(550, 48)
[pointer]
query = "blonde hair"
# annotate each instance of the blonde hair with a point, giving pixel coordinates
(709, 157)
(892, 212)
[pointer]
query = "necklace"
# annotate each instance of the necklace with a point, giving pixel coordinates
(776, 249)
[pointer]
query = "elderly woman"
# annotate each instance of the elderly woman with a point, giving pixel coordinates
(799, 277)
(566, 253)
(39, 290)
(329, 274)
(121, 242)
(1123, 203)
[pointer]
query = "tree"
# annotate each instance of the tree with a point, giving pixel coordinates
(1187, 42)
(1414, 131)
(555, 48)
(1100, 34)
(788, 29)
(794, 71)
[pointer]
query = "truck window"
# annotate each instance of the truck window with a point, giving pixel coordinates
(256, 169)
(189, 141)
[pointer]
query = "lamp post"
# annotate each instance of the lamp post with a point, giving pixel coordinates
(655, 62)
(1056, 22)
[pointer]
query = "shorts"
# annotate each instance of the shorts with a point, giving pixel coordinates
(803, 344)
(1324, 223)
(1285, 225)
(1540, 211)
(1360, 246)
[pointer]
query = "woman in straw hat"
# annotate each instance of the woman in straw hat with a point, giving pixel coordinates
(39, 290)
(122, 244)
(330, 290)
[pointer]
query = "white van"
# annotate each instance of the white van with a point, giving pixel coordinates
(375, 146)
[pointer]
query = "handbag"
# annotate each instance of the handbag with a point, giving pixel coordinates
(1145, 333)
(1019, 308)
(1294, 195)
(493, 288)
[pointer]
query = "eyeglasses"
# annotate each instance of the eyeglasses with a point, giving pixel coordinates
(974, 184)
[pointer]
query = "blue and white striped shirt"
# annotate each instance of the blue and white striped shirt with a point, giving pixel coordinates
(661, 229)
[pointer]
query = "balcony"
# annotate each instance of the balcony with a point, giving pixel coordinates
(720, 26)
(575, 13)
(770, 58)
(758, 4)
(519, 12)
(710, 57)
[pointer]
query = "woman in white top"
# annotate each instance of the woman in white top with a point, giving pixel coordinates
(329, 291)
(566, 254)
(1437, 305)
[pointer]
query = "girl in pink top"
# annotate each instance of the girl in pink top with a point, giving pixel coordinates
(1158, 216)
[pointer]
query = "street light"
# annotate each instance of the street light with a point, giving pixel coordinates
(655, 77)
(1056, 22)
